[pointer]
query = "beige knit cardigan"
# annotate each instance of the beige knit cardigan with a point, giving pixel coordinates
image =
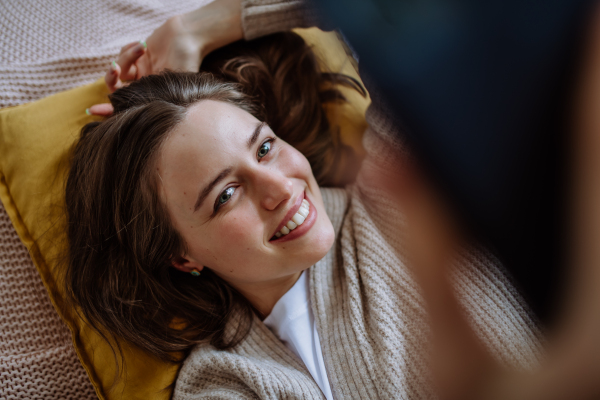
(368, 310)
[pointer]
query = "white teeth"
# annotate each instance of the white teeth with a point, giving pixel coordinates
(303, 211)
(291, 225)
(297, 220)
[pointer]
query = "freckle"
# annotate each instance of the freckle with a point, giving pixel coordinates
(248, 248)
(231, 271)
(184, 193)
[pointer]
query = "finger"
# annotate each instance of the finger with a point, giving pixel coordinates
(128, 46)
(143, 65)
(112, 77)
(128, 58)
(103, 109)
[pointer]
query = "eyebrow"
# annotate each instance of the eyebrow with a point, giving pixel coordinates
(204, 193)
(254, 137)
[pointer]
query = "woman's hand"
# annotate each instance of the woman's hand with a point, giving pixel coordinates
(179, 45)
(124, 69)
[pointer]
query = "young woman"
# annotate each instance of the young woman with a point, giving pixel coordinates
(197, 224)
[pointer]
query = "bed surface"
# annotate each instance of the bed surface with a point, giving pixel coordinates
(48, 47)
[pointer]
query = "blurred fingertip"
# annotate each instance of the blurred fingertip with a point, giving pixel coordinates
(101, 110)
(140, 48)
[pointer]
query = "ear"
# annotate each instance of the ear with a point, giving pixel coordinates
(185, 265)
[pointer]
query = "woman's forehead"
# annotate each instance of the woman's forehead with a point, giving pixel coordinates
(211, 129)
(210, 120)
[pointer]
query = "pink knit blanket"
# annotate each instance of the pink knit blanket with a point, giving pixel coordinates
(47, 47)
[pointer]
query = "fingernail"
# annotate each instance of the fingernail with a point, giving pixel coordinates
(140, 47)
(113, 66)
(87, 111)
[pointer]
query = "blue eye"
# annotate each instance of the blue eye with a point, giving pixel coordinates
(264, 149)
(224, 197)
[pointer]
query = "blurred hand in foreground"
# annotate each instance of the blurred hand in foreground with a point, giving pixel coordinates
(463, 368)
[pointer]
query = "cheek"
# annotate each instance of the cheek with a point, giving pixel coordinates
(294, 162)
(235, 252)
(236, 235)
(238, 228)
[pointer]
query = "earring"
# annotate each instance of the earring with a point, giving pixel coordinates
(195, 272)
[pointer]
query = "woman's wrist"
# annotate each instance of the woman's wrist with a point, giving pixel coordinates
(214, 25)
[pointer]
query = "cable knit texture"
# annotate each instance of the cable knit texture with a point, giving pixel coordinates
(37, 359)
(51, 46)
(48, 47)
(368, 309)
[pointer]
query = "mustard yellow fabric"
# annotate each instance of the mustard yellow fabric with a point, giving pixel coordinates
(350, 116)
(35, 144)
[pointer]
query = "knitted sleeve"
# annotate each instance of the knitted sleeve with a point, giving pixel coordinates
(263, 17)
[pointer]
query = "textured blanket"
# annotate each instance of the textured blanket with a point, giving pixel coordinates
(47, 47)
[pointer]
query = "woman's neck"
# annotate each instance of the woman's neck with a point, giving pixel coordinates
(264, 295)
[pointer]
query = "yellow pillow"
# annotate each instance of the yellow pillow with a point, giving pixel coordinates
(350, 116)
(35, 142)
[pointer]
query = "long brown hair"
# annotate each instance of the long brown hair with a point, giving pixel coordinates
(121, 241)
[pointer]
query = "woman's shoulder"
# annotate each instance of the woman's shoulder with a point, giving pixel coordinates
(205, 373)
(259, 364)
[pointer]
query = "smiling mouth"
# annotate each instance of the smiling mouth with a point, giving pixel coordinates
(297, 220)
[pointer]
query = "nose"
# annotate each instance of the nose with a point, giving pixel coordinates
(274, 188)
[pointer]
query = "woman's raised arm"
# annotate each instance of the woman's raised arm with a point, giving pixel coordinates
(184, 40)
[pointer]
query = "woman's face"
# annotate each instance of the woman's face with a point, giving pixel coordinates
(230, 185)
